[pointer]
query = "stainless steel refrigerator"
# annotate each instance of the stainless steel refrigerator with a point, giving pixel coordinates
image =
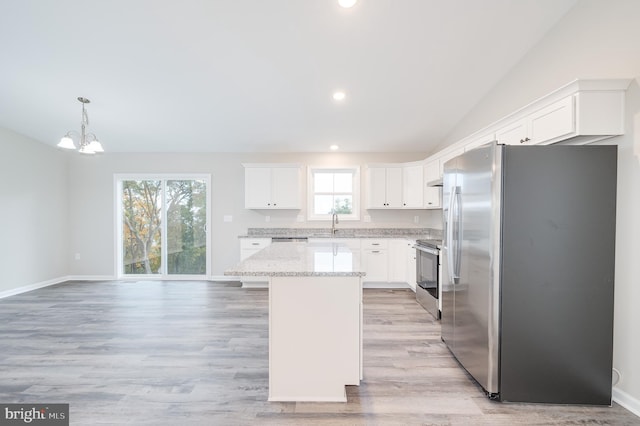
(528, 270)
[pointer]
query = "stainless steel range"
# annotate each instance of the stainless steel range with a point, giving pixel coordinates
(427, 275)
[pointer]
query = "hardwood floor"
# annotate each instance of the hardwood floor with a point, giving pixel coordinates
(195, 353)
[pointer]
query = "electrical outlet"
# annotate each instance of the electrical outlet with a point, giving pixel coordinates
(227, 218)
(300, 218)
(267, 218)
(367, 218)
(77, 256)
(416, 219)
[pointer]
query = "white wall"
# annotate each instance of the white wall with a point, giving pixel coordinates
(33, 213)
(91, 192)
(596, 39)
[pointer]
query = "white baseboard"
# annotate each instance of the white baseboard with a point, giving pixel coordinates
(384, 285)
(138, 278)
(91, 278)
(627, 401)
(224, 278)
(31, 287)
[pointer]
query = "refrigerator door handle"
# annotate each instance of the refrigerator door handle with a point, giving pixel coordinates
(458, 217)
(449, 236)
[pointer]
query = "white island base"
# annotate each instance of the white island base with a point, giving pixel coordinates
(315, 337)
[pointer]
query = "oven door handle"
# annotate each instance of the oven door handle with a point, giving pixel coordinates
(435, 252)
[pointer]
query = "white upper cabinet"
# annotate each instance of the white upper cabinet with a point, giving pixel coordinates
(555, 121)
(285, 187)
(580, 112)
(384, 187)
(432, 194)
(513, 133)
(272, 186)
(395, 186)
(543, 126)
(578, 118)
(412, 186)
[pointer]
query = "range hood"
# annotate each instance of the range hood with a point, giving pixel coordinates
(436, 183)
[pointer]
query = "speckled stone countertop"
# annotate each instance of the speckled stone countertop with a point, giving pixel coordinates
(412, 233)
(300, 260)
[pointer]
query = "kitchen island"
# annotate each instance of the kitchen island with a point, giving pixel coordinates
(315, 318)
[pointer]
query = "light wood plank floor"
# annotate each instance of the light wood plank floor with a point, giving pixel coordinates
(195, 353)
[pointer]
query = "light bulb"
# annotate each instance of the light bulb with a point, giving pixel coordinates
(66, 143)
(347, 3)
(339, 96)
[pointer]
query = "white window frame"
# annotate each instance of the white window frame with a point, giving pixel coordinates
(117, 187)
(355, 194)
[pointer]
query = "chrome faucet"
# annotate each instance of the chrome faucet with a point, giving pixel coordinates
(334, 222)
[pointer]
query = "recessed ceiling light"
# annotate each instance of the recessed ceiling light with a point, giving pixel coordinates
(339, 96)
(347, 3)
(334, 147)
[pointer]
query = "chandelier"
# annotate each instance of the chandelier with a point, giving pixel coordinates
(87, 142)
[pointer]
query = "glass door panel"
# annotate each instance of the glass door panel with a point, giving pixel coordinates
(186, 217)
(141, 226)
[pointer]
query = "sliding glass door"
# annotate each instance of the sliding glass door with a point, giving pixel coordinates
(163, 223)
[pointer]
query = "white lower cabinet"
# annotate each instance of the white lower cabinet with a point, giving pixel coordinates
(375, 259)
(249, 247)
(384, 260)
(374, 263)
(398, 261)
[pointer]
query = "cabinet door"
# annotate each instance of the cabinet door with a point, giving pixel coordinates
(377, 188)
(398, 261)
(375, 265)
(394, 187)
(554, 121)
(285, 188)
(513, 134)
(257, 187)
(432, 195)
(412, 181)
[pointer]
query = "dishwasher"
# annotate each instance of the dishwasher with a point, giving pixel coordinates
(289, 240)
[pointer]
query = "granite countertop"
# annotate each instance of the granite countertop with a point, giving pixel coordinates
(300, 260)
(409, 233)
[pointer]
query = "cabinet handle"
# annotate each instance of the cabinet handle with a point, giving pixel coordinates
(375, 244)
(255, 244)
(429, 203)
(524, 140)
(375, 251)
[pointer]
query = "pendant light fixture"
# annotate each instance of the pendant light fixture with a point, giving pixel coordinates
(87, 142)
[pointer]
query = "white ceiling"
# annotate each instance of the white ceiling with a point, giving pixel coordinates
(258, 75)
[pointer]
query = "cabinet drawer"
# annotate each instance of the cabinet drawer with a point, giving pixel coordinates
(374, 244)
(254, 243)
